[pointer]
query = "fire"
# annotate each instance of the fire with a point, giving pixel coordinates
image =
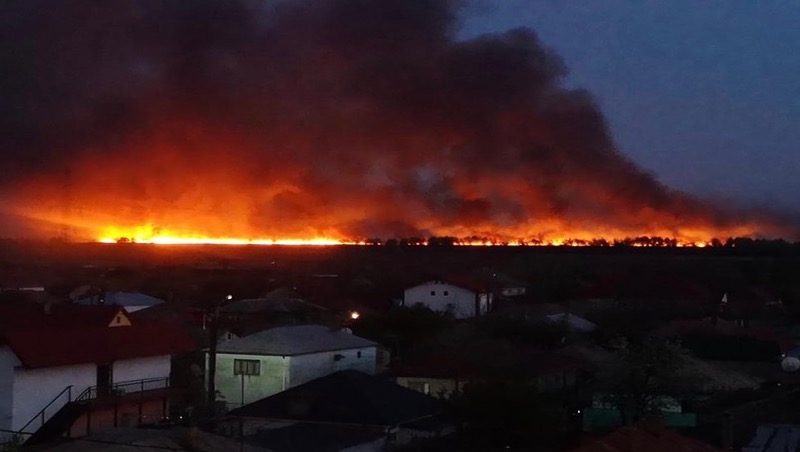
(148, 234)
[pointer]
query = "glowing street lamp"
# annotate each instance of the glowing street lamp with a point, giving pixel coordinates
(354, 315)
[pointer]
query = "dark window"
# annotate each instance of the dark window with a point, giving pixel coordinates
(446, 293)
(246, 367)
(433, 292)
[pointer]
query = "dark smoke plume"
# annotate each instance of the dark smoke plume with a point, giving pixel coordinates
(308, 117)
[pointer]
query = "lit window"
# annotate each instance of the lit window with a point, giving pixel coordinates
(246, 367)
(433, 292)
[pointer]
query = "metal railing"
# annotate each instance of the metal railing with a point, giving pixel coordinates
(122, 388)
(41, 415)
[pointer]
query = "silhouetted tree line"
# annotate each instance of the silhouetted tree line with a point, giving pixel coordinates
(744, 243)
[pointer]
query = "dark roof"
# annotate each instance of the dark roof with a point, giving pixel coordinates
(493, 362)
(774, 438)
(60, 347)
(24, 316)
(303, 437)
(282, 299)
(345, 397)
(644, 438)
(294, 340)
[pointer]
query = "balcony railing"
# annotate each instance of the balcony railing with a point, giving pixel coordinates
(122, 388)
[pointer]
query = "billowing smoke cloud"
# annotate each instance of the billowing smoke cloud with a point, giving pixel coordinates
(309, 117)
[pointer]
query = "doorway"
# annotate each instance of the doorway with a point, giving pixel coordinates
(104, 373)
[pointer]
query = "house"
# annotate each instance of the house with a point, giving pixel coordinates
(717, 339)
(252, 367)
(442, 372)
(76, 369)
(130, 301)
(346, 410)
(461, 301)
(282, 306)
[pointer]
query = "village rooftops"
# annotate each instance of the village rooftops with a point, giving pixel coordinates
(346, 397)
(294, 340)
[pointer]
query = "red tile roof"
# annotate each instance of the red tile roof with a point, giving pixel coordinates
(22, 316)
(641, 438)
(60, 347)
(70, 334)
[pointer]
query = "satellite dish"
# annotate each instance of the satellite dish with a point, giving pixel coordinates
(790, 364)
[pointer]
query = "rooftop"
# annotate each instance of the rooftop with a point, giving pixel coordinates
(346, 397)
(294, 340)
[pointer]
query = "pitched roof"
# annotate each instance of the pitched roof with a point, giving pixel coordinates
(60, 347)
(65, 334)
(124, 299)
(21, 316)
(282, 299)
(345, 397)
(294, 340)
(644, 438)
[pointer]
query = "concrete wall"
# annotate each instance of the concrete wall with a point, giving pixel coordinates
(442, 297)
(35, 388)
(7, 363)
(141, 368)
(127, 415)
(273, 379)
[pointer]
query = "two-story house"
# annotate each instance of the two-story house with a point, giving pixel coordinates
(441, 296)
(67, 369)
(252, 367)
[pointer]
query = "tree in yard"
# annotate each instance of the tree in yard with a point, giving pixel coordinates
(645, 374)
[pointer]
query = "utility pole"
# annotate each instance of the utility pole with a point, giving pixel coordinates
(213, 330)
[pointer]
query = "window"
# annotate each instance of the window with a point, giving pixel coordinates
(246, 367)
(433, 292)
(446, 293)
(358, 355)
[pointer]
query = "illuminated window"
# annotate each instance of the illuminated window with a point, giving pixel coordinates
(246, 367)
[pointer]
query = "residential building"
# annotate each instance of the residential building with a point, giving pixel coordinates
(129, 301)
(346, 410)
(252, 367)
(75, 369)
(458, 300)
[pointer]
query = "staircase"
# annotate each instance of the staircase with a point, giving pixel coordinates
(59, 423)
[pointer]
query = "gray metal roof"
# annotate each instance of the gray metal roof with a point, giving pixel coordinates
(294, 340)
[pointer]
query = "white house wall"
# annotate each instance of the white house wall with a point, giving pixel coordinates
(35, 388)
(141, 368)
(304, 368)
(7, 363)
(460, 301)
(274, 378)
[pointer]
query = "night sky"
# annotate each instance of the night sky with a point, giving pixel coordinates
(705, 95)
(512, 119)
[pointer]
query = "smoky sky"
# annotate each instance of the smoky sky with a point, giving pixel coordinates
(355, 116)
